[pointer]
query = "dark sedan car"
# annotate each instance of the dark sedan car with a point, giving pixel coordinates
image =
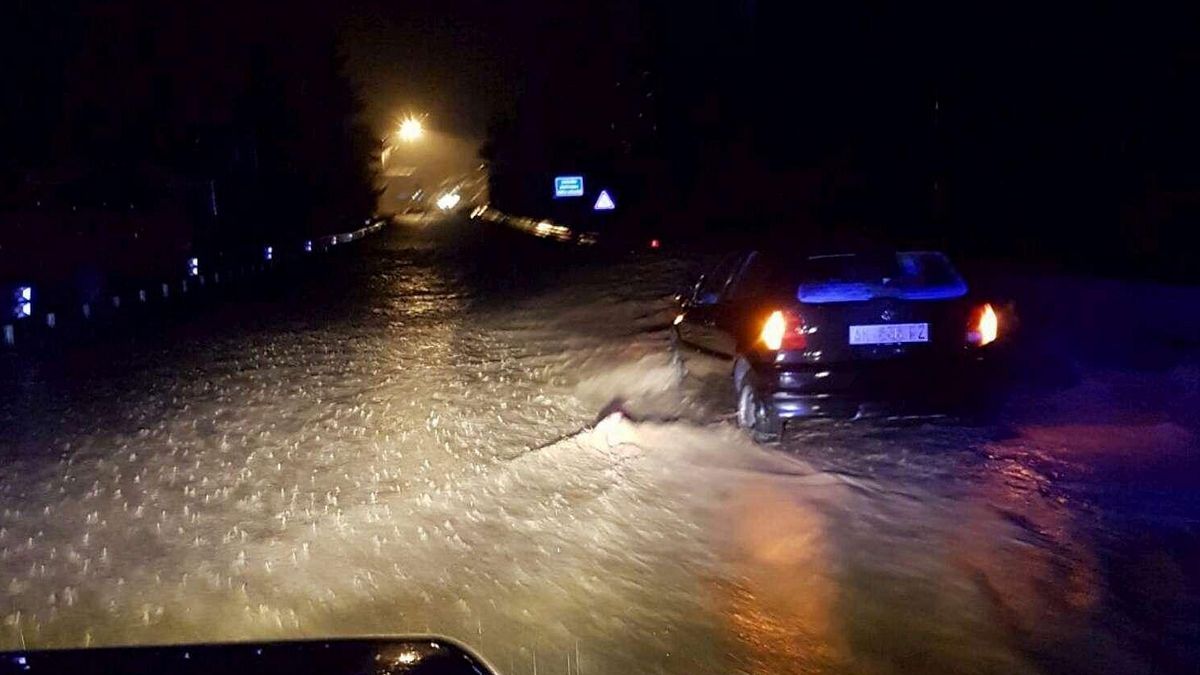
(840, 334)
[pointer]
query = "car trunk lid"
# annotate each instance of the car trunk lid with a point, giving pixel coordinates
(880, 306)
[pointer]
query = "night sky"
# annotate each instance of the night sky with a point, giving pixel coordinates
(986, 127)
(458, 61)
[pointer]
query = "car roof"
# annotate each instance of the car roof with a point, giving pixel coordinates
(831, 240)
(785, 256)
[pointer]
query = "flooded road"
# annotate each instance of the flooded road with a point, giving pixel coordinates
(409, 442)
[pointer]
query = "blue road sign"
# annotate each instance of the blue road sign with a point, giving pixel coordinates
(604, 202)
(568, 186)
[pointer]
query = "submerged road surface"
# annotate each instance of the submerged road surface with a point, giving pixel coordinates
(408, 442)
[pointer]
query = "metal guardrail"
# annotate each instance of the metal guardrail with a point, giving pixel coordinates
(23, 313)
(538, 227)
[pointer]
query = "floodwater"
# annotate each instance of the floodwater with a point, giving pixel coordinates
(413, 440)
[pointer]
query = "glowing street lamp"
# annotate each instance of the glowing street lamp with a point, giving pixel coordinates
(411, 130)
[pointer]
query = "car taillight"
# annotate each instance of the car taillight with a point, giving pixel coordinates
(984, 326)
(783, 330)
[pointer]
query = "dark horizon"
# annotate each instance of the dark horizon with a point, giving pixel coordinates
(1004, 130)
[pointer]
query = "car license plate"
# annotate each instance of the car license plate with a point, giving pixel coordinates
(889, 333)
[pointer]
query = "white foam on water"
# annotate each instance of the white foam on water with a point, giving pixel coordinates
(435, 465)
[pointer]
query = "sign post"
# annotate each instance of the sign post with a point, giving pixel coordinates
(568, 186)
(604, 202)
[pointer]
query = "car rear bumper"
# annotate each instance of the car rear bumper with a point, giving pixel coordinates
(897, 387)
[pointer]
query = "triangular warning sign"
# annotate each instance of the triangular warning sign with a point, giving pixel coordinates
(604, 202)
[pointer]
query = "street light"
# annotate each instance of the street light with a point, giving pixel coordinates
(411, 129)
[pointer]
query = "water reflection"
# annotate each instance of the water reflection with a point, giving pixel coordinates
(782, 605)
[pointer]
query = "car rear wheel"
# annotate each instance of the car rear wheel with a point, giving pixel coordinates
(756, 417)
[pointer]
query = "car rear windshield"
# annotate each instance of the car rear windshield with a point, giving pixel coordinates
(914, 275)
